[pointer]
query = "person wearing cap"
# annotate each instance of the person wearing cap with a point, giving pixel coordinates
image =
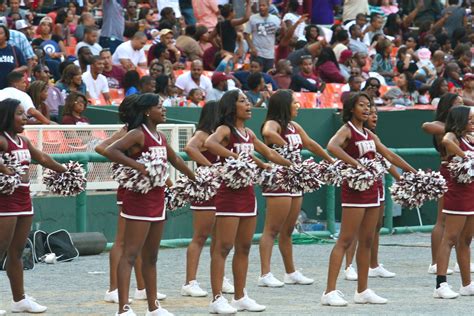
(23, 27)
(131, 54)
(166, 39)
(467, 93)
(219, 86)
(193, 79)
(345, 63)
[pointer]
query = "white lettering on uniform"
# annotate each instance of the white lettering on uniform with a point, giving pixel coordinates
(243, 148)
(294, 139)
(160, 151)
(22, 155)
(365, 146)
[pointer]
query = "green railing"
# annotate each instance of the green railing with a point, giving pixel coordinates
(81, 199)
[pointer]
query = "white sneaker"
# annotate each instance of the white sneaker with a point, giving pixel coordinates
(334, 298)
(269, 280)
(160, 311)
(432, 269)
(27, 305)
(247, 304)
(369, 297)
(128, 311)
(192, 289)
(350, 274)
(297, 278)
(221, 306)
(140, 295)
(467, 290)
(457, 270)
(444, 291)
(381, 272)
(2, 312)
(227, 287)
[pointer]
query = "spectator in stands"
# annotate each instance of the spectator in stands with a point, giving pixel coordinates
(453, 76)
(404, 94)
(186, 8)
(282, 77)
(355, 84)
(462, 54)
(168, 18)
(342, 40)
(11, 58)
(206, 12)
(306, 80)
(113, 73)
(372, 88)
(147, 84)
(256, 66)
(356, 44)
(91, 35)
(258, 93)
(131, 54)
(95, 81)
(156, 69)
(327, 67)
(38, 91)
(161, 54)
(323, 11)
(219, 86)
(438, 61)
(467, 93)
(193, 79)
(375, 27)
(167, 39)
(147, 22)
(260, 34)
(131, 82)
(427, 13)
(438, 88)
(161, 86)
(19, 40)
(71, 81)
(65, 26)
(76, 104)
(131, 19)
(55, 97)
(84, 58)
(25, 28)
(202, 36)
(406, 61)
(225, 31)
(188, 45)
(360, 61)
(86, 19)
(311, 33)
(292, 16)
(14, 7)
(457, 18)
(312, 49)
(354, 8)
(113, 24)
(382, 62)
(16, 87)
(195, 97)
(345, 63)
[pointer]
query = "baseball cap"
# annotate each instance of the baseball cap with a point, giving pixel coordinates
(21, 24)
(46, 19)
(468, 76)
(165, 31)
(218, 77)
(345, 55)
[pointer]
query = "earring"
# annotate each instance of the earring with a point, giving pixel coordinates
(148, 114)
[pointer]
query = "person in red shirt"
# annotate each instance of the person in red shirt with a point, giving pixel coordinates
(76, 103)
(306, 80)
(113, 73)
(327, 67)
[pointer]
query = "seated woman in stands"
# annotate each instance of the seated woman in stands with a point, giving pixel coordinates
(327, 67)
(71, 81)
(405, 94)
(76, 104)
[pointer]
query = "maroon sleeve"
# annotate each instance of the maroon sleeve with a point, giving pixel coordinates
(331, 73)
(68, 120)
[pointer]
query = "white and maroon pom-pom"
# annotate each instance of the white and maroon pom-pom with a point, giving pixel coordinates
(414, 189)
(68, 183)
(174, 199)
(383, 161)
(328, 173)
(8, 183)
(359, 179)
(266, 178)
(203, 189)
(239, 173)
(299, 177)
(462, 169)
(289, 152)
(133, 180)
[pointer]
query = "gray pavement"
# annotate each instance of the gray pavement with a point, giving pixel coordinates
(77, 288)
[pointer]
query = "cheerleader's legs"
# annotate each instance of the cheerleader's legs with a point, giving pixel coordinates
(13, 234)
(463, 250)
(278, 210)
(374, 251)
(285, 242)
(355, 222)
(437, 232)
(203, 223)
(350, 253)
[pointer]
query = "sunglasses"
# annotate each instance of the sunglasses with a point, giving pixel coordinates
(373, 86)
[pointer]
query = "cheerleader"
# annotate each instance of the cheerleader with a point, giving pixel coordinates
(458, 206)
(283, 207)
(144, 214)
(375, 269)
(236, 210)
(204, 213)
(360, 210)
(436, 128)
(16, 210)
(127, 115)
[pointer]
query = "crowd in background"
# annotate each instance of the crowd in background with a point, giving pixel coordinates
(67, 53)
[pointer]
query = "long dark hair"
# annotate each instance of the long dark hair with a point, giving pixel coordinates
(350, 103)
(457, 120)
(444, 106)
(131, 79)
(7, 114)
(143, 103)
(228, 109)
(279, 108)
(435, 89)
(208, 119)
(391, 25)
(327, 54)
(126, 110)
(70, 101)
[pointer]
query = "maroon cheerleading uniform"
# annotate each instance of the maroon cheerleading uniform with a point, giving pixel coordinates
(207, 205)
(19, 202)
(148, 207)
(361, 145)
(120, 193)
(293, 138)
(459, 200)
(240, 202)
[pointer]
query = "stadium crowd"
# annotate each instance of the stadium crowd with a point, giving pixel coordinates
(72, 53)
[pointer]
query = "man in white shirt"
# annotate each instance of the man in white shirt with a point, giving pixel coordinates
(131, 54)
(193, 79)
(95, 81)
(91, 36)
(16, 90)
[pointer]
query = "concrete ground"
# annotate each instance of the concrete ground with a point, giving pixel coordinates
(77, 288)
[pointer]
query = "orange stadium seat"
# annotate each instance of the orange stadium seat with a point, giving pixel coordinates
(307, 100)
(117, 95)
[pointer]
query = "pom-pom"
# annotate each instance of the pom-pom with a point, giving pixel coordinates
(266, 178)
(462, 169)
(68, 183)
(9, 183)
(299, 177)
(239, 173)
(174, 199)
(330, 173)
(362, 179)
(383, 161)
(133, 180)
(289, 152)
(414, 189)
